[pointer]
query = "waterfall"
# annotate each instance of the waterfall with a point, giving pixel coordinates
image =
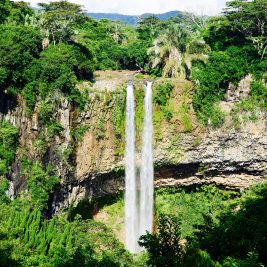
(147, 171)
(131, 208)
(138, 220)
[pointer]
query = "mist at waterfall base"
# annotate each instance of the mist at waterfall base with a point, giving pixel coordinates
(138, 211)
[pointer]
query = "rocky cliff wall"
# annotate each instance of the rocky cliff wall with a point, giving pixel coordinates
(184, 155)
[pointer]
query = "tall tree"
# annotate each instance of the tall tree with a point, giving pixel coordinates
(250, 18)
(175, 50)
(19, 11)
(5, 7)
(60, 19)
(146, 27)
(115, 30)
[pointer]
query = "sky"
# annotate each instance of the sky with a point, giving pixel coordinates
(138, 7)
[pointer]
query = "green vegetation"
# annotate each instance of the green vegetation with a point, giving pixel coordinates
(79, 132)
(26, 239)
(175, 49)
(40, 184)
(115, 211)
(3, 187)
(118, 119)
(58, 69)
(184, 111)
(259, 94)
(248, 109)
(164, 247)
(163, 109)
(213, 52)
(139, 113)
(209, 227)
(190, 208)
(8, 146)
(239, 48)
(100, 129)
(162, 93)
(19, 45)
(203, 226)
(214, 77)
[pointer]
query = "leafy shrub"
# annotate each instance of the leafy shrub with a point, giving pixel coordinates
(54, 127)
(19, 46)
(3, 187)
(100, 129)
(40, 183)
(213, 79)
(5, 8)
(164, 247)
(139, 76)
(191, 207)
(184, 111)
(59, 69)
(240, 230)
(136, 55)
(162, 93)
(29, 95)
(79, 132)
(259, 92)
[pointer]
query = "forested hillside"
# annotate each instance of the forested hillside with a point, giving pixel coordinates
(130, 19)
(49, 57)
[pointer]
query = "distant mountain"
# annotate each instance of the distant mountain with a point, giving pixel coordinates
(129, 19)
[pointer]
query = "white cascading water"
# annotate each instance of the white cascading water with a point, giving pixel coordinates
(131, 206)
(147, 170)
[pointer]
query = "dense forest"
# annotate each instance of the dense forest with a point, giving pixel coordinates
(46, 53)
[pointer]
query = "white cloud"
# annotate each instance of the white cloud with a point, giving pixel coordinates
(137, 7)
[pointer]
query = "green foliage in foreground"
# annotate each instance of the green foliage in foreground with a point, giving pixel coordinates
(202, 227)
(191, 207)
(216, 227)
(8, 146)
(26, 239)
(164, 247)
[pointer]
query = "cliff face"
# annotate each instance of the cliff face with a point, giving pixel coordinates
(184, 155)
(35, 142)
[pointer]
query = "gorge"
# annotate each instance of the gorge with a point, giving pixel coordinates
(230, 158)
(100, 166)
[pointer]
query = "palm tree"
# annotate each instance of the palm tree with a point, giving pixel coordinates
(36, 20)
(116, 32)
(175, 50)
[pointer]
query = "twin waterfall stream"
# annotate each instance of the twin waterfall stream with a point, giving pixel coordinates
(138, 189)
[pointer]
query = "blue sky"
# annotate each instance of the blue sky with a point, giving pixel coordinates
(137, 7)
